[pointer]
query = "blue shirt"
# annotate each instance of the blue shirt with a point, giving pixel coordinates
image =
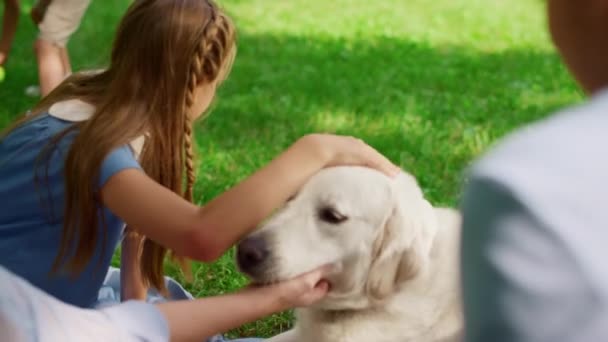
(29, 236)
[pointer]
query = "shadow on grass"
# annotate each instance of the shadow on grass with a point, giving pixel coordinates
(430, 109)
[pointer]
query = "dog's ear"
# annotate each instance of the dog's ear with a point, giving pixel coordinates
(402, 247)
(394, 260)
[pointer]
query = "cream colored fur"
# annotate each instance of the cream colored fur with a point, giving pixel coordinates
(397, 278)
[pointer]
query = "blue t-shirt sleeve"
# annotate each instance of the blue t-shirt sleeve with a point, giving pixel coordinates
(120, 159)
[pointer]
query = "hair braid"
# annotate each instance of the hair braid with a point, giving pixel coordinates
(210, 62)
(189, 162)
(205, 67)
(194, 78)
(193, 81)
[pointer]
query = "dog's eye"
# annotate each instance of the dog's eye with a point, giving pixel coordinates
(331, 215)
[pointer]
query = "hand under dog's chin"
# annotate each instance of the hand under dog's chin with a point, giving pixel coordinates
(264, 281)
(270, 279)
(273, 277)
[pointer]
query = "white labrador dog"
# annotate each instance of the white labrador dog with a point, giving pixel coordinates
(398, 278)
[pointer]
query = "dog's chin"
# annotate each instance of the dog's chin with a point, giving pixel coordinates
(273, 275)
(263, 278)
(263, 282)
(270, 278)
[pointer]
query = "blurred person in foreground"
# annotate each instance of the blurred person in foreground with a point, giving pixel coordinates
(535, 212)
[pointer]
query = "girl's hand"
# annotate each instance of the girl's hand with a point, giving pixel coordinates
(345, 150)
(226, 312)
(301, 291)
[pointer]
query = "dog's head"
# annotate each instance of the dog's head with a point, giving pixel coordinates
(377, 230)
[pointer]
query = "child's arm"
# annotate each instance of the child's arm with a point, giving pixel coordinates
(25, 315)
(195, 320)
(131, 284)
(205, 233)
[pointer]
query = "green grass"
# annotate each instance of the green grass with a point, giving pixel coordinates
(431, 84)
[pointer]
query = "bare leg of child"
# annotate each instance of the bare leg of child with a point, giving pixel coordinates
(51, 69)
(9, 26)
(65, 59)
(59, 19)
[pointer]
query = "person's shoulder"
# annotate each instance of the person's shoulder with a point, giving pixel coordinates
(554, 171)
(555, 167)
(568, 143)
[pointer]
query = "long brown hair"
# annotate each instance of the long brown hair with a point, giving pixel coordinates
(163, 51)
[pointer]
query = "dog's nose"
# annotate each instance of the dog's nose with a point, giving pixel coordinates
(251, 252)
